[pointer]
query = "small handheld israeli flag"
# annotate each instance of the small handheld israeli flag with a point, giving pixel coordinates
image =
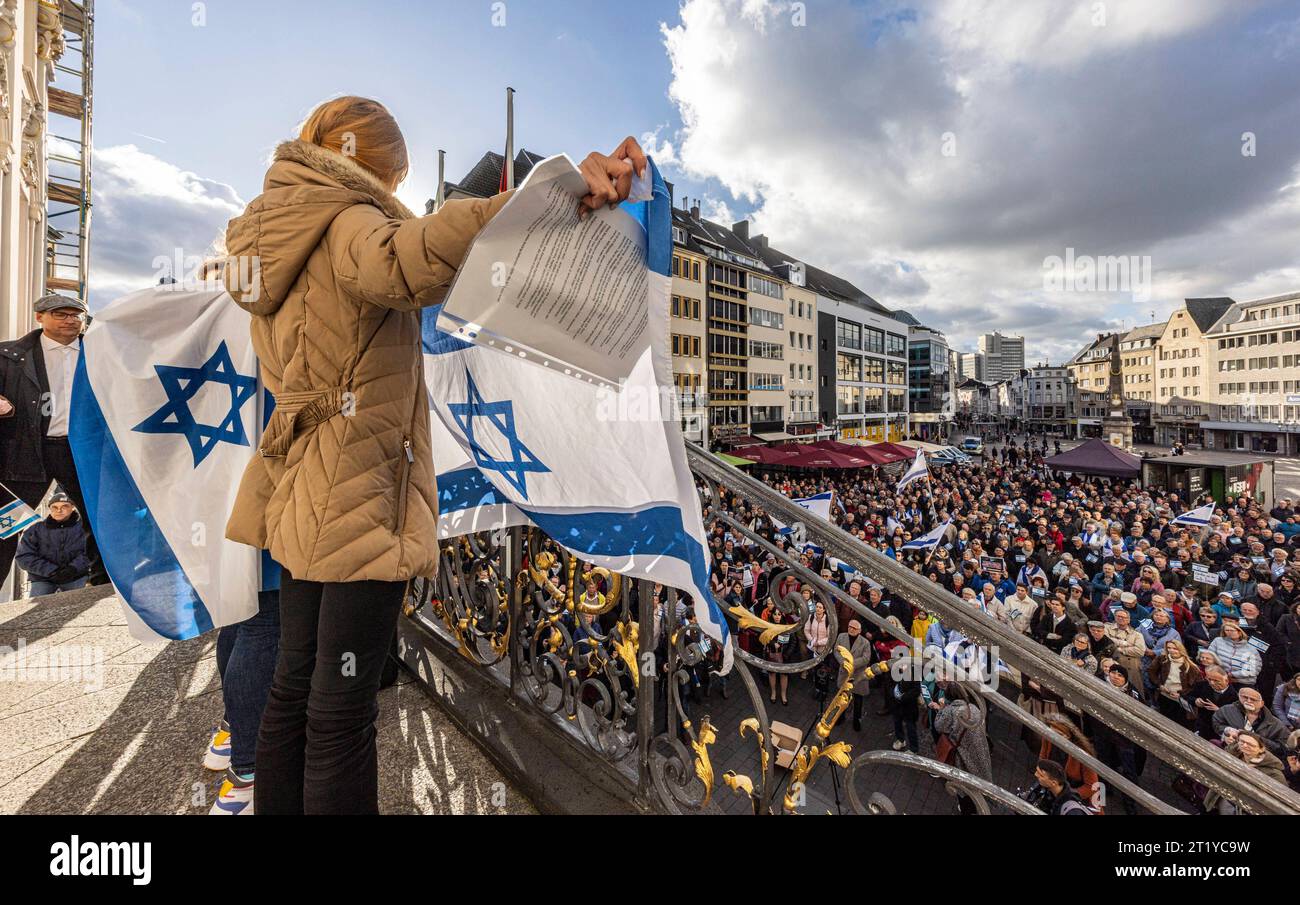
(15, 515)
(1198, 517)
(840, 564)
(819, 505)
(929, 541)
(915, 472)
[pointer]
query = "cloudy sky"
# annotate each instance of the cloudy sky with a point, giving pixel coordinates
(937, 154)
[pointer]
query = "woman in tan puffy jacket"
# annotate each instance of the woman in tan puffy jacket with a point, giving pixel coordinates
(334, 270)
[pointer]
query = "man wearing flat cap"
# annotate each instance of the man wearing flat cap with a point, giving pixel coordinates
(36, 374)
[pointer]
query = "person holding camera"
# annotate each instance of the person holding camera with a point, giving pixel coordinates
(1056, 798)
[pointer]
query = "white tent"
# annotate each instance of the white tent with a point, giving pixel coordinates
(922, 445)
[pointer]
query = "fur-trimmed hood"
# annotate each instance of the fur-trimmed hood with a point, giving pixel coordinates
(344, 172)
(305, 189)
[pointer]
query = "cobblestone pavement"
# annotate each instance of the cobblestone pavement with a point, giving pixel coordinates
(128, 737)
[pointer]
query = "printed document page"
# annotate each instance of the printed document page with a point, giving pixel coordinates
(540, 283)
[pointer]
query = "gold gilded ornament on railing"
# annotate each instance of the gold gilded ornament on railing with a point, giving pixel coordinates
(767, 630)
(807, 758)
(839, 752)
(539, 570)
(700, 745)
(752, 724)
(739, 783)
(627, 648)
(613, 581)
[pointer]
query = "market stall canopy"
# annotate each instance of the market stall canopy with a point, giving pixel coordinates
(920, 444)
(885, 453)
(895, 449)
(767, 455)
(735, 460)
(1097, 457)
(810, 456)
(838, 446)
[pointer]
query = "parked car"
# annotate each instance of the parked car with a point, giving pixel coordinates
(973, 446)
(949, 455)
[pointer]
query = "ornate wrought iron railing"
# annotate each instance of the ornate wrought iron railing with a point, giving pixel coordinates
(511, 603)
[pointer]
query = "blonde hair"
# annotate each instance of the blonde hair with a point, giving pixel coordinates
(363, 130)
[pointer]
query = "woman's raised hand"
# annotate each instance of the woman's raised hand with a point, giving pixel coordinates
(609, 176)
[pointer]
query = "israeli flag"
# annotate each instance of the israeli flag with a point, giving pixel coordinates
(840, 564)
(930, 540)
(166, 412)
(819, 505)
(15, 515)
(915, 472)
(1197, 518)
(600, 469)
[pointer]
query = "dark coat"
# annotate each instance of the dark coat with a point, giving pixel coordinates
(55, 551)
(1288, 628)
(1205, 718)
(24, 383)
(1268, 727)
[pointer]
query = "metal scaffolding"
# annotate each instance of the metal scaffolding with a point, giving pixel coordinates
(69, 153)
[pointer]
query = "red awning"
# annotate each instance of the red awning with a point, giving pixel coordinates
(766, 455)
(809, 455)
(887, 452)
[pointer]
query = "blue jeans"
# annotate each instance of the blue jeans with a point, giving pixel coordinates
(41, 588)
(246, 655)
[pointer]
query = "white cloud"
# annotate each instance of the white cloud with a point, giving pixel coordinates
(1113, 140)
(145, 209)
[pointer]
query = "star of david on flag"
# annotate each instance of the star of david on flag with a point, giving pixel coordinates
(500, 415)
(181, 385)
(15, 515)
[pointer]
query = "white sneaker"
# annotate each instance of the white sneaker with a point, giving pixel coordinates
(899, 746)
(235, 797)
(217, 757)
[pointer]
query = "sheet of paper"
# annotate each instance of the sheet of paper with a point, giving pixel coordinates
(565, 293)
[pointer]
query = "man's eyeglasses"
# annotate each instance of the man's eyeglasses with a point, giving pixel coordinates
(63, 315)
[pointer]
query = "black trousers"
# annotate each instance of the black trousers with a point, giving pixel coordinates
(316, 745)
(57, 457)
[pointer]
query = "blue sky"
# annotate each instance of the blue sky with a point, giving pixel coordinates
(937, 154)
(222, 95)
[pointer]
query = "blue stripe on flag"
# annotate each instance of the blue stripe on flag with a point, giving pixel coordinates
(16, 504)
(466, 488)
(15, 517)
(657, 531)
(136, 554)
(435, 341)
(656, 218)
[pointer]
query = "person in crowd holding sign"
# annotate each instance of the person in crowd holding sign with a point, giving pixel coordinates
(36, 373)
(1143, 585)
(342, 494)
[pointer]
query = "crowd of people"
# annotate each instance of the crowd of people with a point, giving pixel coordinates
(1202, 625)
